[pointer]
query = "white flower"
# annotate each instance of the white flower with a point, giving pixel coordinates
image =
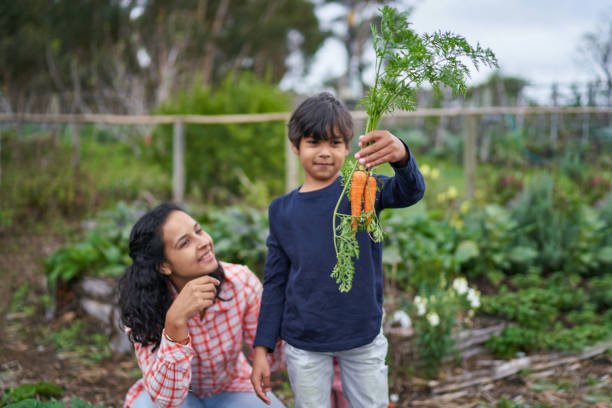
(420, 304)
(433, 319)
(402, 319)
(460, 285)
(394, 398)
(474, 298)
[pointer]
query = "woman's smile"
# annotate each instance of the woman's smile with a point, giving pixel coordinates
(207, 256)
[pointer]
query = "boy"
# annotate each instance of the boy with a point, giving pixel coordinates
(301, 303)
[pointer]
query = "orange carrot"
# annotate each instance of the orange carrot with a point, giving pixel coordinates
(358, 183)
(369, 198)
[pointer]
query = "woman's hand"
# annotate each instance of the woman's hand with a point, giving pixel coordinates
(380, 146)
(260, 377)
(195, 297)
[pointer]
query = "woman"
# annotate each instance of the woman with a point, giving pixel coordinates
(188, 316)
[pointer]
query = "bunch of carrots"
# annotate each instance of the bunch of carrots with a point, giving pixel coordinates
(362, 197)
(360, 186)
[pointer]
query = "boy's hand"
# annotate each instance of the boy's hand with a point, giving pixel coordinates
(380, 146)
(260, 377)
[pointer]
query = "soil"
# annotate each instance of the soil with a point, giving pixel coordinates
(29, 354)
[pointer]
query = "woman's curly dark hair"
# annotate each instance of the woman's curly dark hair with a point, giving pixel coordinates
(144, 295)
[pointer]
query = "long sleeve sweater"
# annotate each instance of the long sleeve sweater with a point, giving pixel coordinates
(301, 303)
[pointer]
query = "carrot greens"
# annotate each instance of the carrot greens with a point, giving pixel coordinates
(405, 61)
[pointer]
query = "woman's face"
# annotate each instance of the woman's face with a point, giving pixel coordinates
(188, 248)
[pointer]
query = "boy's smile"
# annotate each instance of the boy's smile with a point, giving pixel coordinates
(321, 160)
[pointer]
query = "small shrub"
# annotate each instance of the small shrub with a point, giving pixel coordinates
(217, 155)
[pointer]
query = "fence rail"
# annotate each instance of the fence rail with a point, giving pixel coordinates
(291, 174)
(282, 116)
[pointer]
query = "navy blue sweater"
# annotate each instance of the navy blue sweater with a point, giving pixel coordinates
(301, 303)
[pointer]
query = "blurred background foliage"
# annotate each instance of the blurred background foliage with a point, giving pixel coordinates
(227, 161)
(130, 56)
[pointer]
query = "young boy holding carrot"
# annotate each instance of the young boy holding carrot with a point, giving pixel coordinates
(301, 303)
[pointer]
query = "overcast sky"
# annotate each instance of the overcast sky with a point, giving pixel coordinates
(534, 39)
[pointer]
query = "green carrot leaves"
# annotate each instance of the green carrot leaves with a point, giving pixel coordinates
(405, 61)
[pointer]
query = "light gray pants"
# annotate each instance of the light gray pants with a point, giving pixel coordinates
(223, 400)
(363, 372)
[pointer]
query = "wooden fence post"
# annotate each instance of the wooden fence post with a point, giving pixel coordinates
(178, 162)
(469, 155)
(554, 130)
(75, 138)
(585, 127)
(0, 161)
(291, 167)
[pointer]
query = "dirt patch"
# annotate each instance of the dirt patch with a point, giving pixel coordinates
(21, 262)
(583, 384)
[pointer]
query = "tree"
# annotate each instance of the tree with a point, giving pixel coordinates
(499, 90)
(59, 50)
(128, 56)
(597, 47)
(199, 41)
(23, 30)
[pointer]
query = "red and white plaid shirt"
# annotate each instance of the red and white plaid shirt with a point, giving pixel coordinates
(213, 361)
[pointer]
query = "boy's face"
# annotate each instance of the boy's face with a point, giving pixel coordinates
(321, 159)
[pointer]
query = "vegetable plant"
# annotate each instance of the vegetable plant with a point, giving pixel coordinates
(405, 60)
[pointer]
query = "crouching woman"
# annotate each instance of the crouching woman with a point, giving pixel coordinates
(188, 317)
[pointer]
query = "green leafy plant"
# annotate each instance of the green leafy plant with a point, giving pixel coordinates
(493, 231)
(52, 403)
(566, 234)
(505, 402)
(557, 314)
(94, 347)
(419, 251)
(103, 252)
(587, 252)
(405, 60)
(600, 290)
(16, 396)
(219, 158)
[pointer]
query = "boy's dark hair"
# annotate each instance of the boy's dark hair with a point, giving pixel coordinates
(321, 117)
